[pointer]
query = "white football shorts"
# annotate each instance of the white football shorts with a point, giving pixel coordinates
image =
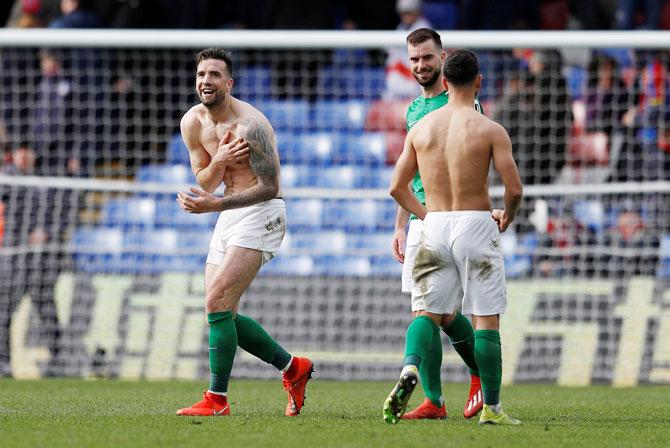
(260, 227)
(459, 265)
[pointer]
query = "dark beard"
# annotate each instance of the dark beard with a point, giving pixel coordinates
(430, 81)
(219, 97)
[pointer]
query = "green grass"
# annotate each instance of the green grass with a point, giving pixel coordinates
(77, 413)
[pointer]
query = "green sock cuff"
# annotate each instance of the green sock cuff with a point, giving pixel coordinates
(489, 335)
(433, 325)
(218, 316)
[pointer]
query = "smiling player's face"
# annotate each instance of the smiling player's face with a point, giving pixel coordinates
(426, 61)
(212, 82)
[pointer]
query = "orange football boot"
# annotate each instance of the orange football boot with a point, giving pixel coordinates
(301, 371)
(426, 410)
(210, 405)
(475, 401)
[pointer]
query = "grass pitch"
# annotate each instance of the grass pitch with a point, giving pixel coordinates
(79, 413)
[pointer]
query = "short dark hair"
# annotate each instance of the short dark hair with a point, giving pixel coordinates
(216, 53)
(421, 35)
(461, 67)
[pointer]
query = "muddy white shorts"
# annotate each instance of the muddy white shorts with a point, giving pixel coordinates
(459, 265)
(412, 245)
(260, 227)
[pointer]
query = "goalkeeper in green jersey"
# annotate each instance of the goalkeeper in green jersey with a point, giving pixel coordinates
(426, 58)
(459, 263)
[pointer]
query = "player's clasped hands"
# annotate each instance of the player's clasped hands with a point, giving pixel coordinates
(231, 150)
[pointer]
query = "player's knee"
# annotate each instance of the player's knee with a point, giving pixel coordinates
(216, 301)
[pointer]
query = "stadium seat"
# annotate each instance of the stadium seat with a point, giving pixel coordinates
(350, 214)
(304, 213)
(301, 265)
(374, 177)
(170, 215)
(372, 244)
(129, 213)
(386, 214)
(177, 152)
(97, 249)
(348, 83)
(343, 266)
(385, 265)
(367, 150)
(385, 115)
(590, 214)
(168, 174)
(336, 177)
(331, 242)
(289, 115)
(306, 148)
(664, 257)
(576, 80)
(341, 116)
(518, 253)
(253, 84)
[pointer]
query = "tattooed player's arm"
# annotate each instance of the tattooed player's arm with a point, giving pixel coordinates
(263, 162)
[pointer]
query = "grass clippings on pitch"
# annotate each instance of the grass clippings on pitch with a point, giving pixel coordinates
(83, 413)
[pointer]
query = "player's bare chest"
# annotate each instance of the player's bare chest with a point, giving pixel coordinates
(212, 136)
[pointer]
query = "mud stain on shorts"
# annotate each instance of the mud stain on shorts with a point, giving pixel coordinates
(425, 263)
(482, 268)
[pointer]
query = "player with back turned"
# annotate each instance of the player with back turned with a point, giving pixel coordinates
(426, 57)
(459, 264)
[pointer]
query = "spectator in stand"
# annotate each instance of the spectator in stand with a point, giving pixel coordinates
(634, 247)
(607, 96)
(54, 129)
(400, 82)
(76, 14)
(627, 13)
(651, 117)
(36, 221)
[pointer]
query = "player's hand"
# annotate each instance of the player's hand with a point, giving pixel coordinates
(201, 202)
(231, 150)
(398, 245)
(501, 218)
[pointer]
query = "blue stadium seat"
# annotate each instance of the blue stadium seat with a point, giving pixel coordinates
(386, 213)
(290, 115)
(442, 15)
(664, 256)
(177, 152)
(376, 244)
(343, 266)
(168, 174)
(385, 266)
(336, 177)
(129, 213)
(170, 215)
(306, 149)
(253, 84)
(367, 150)
(342, 116)
(374, 177)
(349, 83)
(302, 265)
(304, 213)
(590, 214)
(314, 243)
(97, 249)
(518, 253)
(576, 80)
(350, 214)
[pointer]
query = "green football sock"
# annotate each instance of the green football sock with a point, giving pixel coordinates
(430, 370)
(255, 340)
(222, 348)
(489, 360)
(462, 338)
(419, 338)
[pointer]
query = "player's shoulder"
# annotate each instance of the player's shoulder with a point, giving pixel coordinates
(250, 113)
(192, 117)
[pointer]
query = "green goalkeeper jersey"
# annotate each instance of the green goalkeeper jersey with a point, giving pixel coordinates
(416, 111)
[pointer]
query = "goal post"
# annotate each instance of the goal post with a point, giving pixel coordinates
(101, 272)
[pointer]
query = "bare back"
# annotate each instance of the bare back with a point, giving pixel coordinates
(454, 150)
(203, 135)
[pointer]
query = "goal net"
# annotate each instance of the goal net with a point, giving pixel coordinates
(101, 273)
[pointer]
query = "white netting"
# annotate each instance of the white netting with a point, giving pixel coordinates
(104, 277)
